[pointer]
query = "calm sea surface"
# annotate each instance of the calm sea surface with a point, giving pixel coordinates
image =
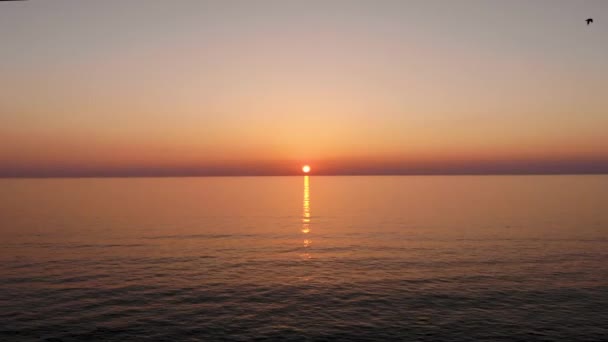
(297, 258)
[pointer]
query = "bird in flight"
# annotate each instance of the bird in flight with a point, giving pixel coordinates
(589, 21)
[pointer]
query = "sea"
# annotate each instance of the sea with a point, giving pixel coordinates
(305, 258)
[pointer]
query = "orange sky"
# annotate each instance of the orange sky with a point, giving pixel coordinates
(210, 87)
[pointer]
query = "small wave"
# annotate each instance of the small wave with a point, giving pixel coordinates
(71, 246)
(199, 236)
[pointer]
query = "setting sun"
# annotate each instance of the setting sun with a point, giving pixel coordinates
(306, 169)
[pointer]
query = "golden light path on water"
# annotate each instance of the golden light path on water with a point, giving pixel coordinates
(306, 215)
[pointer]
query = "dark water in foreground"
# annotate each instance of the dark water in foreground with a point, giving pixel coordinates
(289, 258)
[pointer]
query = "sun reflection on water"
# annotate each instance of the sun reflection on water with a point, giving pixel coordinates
(306, 216)
(306, 207)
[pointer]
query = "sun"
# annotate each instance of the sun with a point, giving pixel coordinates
(306, 169)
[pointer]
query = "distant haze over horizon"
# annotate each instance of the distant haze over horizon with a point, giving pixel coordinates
(207, 88)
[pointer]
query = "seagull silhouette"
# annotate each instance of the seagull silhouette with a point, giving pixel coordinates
(589, 21)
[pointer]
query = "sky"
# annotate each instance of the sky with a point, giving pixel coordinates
(260, 87)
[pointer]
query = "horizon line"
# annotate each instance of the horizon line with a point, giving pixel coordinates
(317, 174)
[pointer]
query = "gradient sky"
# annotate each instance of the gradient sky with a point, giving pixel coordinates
(193, 87)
